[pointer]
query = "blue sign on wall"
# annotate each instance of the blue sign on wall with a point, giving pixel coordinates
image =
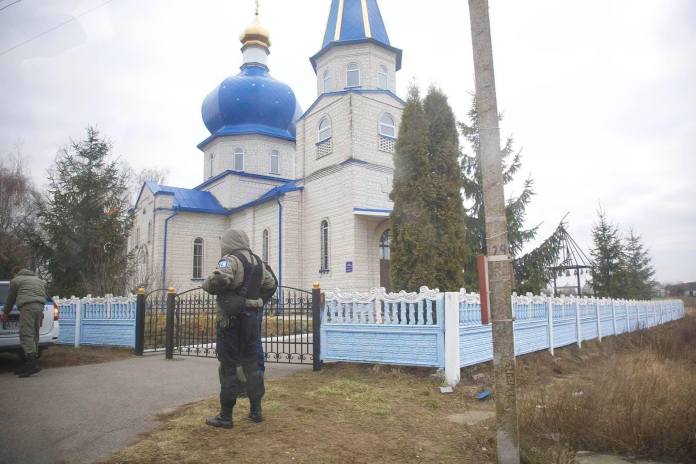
(349, 266)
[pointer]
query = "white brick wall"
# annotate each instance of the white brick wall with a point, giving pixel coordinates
(368, 56)
(257, 155)
(184, 228)
(236, 190)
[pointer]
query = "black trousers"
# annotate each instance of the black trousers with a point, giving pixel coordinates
(237, 344)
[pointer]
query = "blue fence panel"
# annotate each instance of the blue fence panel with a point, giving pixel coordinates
(103, 321)
(401, 329)
(67, 310)
(475, 344)
(531, 336)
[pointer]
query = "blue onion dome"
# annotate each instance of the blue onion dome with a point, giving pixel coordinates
(252, 102)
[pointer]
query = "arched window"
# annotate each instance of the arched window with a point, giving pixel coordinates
(198, 258)
(382, 77)
(149, 232)
(212, 158)
(353, 75)
(387, 126)
(238, 159)
(327, 82)
(275, 162)
(264, 246)
(385, 245)
(324, 239)
(324, 129)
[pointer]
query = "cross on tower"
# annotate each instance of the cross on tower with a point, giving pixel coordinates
(257, 8)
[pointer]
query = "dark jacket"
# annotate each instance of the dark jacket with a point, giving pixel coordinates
(25, 288)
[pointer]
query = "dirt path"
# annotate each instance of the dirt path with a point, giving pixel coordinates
(83, 414)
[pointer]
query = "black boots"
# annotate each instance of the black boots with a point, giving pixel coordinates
(222, 420)
(30, 366)
(255, 412)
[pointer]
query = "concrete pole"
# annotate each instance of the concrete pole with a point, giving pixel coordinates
(497, 251)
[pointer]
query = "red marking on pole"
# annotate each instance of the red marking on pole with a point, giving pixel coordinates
(482, 268)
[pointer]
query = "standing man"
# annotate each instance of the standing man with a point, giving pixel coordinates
(29, 293)
(239, 282)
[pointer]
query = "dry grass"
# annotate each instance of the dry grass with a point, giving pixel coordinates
(274, 326)
(63, 356)
(641, 401)
(637, 399)
(344, 414)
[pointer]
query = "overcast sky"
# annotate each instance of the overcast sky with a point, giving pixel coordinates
(599, 94)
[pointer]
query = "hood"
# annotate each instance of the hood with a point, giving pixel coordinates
(233, 240)
(25, 272)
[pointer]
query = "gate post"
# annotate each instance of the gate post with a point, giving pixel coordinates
(169, 335)
(316, 326)
(140, 322)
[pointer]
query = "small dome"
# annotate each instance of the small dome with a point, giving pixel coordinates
(256, 34)
(252, 102)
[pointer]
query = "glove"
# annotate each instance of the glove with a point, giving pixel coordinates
(217, 283)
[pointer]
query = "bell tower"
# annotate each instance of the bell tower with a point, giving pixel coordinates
(345, 147)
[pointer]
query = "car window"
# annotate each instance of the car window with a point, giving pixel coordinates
(4, 290)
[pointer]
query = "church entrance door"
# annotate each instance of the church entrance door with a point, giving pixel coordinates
(384, 260)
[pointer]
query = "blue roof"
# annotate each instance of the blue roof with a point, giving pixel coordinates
(355, 21)
(252, 102)
(194, 201)
(197, 201)
(272, 194)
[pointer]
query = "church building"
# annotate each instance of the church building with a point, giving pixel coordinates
(310, 188)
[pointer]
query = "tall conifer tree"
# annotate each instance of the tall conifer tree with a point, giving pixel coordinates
(639, 270)
(515, 208)
(412, 251)
(445, 205)
(608, 276)
(84, 219)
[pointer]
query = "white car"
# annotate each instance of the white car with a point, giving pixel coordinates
(9, 331)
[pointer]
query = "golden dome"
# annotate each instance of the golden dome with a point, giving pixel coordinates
(256, 35)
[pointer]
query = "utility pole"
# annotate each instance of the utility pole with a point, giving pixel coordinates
(497, 250)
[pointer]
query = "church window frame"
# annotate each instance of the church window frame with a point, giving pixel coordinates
(324, 246)
(387, 125)
(212, 159)
(326, 82)
(385, 245)
(352, 75)
(265, 241)
(197, 268)
(382, 77)
(274, 167)
(238, 159)
(324, 132)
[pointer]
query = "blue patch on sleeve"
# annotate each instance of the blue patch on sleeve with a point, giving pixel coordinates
(223, 264)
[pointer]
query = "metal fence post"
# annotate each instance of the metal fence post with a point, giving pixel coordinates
(316, 326)
(169, 335)
(140, 322)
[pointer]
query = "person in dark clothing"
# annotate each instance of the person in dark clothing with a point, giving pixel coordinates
(29, 293)
(239, 281)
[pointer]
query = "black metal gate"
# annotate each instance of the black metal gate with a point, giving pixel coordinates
(184, 324)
